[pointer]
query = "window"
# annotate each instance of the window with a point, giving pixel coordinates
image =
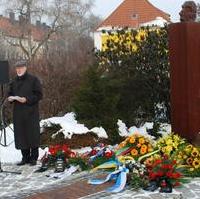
(134, 16)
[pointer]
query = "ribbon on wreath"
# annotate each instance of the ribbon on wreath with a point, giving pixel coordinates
(112, 164)
(120, 175)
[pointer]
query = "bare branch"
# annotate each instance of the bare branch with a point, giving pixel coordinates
(62, 15)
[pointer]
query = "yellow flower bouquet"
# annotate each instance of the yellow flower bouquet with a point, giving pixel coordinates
(186, 155)
(170, 143)
(135, 145)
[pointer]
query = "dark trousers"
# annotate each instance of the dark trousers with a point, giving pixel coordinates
(30, 154)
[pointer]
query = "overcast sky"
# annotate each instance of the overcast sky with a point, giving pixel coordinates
(104, 8)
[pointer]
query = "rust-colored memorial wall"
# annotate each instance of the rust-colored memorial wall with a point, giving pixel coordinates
(184, 48)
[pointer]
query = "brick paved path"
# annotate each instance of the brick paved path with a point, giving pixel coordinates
(31, 185)
(83, 190)
(72, 191)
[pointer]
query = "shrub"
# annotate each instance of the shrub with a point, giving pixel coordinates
(95, 102)
(130, 81)
(140, 61)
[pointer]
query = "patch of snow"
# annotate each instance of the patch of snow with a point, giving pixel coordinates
(123, 131)
(165, 129)
(8, 154)
(82, 150)
(148, 125)
(70, 126)
(141, 131)
(42, 152)
(100, 132)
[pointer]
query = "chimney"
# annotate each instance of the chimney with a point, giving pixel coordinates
(21, 19)
(38, 23)
(44, 25)
(12, 17)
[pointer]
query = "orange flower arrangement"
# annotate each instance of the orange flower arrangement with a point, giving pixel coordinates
(135, 145)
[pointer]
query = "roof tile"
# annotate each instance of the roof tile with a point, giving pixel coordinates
(131, 13)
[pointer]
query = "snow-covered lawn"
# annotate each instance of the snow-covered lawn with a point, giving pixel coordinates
(8, 154)
(69, 126)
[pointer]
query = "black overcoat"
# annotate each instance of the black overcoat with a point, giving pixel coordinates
(26, 116)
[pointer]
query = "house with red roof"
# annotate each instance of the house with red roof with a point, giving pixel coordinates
(132, 14)
(12, 31)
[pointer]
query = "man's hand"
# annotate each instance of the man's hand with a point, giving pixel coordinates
(11, 98)
(21, 100)
(17, 98)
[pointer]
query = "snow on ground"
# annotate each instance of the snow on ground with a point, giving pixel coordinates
(124, 131)
(22, 185)
(68, 123)
(28, 183)
(9, 154)
(70, 126)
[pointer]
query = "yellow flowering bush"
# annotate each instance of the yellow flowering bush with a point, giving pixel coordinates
(135, 145)
(170, 143)
(127, 39)
(125, 64)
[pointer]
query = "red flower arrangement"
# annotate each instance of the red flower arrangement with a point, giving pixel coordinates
(99, 155)
(55, 152)
(61, 150)
(164, 170)
(101, 152)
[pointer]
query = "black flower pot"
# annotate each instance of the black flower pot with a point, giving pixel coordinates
(165, 186)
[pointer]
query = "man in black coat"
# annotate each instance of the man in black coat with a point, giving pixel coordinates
(25, 93)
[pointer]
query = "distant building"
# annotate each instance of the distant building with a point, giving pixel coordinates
(132, 14)
(11, 32)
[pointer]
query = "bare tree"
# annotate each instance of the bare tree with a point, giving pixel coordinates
(198, 12)
(59, 14)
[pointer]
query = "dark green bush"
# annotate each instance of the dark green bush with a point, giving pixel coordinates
(125, 84)
(95, 104)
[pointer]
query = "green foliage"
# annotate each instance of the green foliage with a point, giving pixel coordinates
(130, 82)
(153, 62)
(95, 104)
(143, 73)
(137, 182)
(79, 161)
(193, 174)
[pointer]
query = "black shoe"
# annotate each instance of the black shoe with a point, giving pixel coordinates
(33, 162)
(23, 162)
(40, 170)
(152, 186)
